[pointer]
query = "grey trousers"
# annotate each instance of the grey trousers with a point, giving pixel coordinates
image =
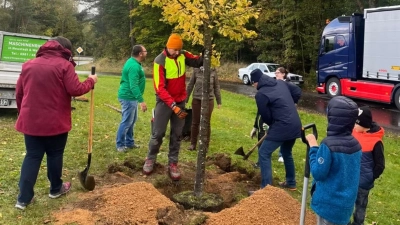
(361, 207)
(162, 115)
(322, 221)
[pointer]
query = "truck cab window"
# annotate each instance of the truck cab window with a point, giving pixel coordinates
(340, 41)
(329, 44)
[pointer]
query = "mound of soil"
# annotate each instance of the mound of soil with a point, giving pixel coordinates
(141, 203)
(125, 196)
(270, 205)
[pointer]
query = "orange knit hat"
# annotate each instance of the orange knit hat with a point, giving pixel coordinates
(175, 42)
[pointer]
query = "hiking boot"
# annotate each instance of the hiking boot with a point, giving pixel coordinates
(64, 190)
(281, 159)
(285, 185)
(148, 166)
(174, 172)
(23, 205)
(191, 148)
(133, 146)
(121, 149)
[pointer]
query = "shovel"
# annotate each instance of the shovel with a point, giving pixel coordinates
(306, 170)
(86, 180)
(240, 150)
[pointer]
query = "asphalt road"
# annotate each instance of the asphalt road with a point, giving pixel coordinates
(387, 116)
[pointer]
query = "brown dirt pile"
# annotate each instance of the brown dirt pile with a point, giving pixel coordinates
(141, 203)
(270, 205)
(133, 203)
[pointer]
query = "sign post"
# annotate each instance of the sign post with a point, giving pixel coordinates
(79, 50)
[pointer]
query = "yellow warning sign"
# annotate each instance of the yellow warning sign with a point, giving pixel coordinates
(395, 67)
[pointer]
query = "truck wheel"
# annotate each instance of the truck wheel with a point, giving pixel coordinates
(333, 87)
(246, 79)
(397, 98)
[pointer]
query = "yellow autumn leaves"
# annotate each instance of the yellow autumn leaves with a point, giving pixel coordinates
(226, 17)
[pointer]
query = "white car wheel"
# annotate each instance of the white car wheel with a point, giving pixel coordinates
(246, 79)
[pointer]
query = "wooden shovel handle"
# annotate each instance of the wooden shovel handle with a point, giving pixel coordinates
(91, 115)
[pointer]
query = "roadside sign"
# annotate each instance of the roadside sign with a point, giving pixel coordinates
(79, 50)
(19, 49)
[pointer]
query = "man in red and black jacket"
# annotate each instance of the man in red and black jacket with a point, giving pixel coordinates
(169, 83)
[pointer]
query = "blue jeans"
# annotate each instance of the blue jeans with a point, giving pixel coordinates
(36, 147)
(129, 117)
(264, 158)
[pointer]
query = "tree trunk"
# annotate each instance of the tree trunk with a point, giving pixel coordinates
(131, 24)
(372, 3)
(203, 145)
(360, 5)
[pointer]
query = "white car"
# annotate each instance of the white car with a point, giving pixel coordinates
(268, 69)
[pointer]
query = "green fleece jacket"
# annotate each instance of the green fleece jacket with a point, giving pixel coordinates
(133, 81)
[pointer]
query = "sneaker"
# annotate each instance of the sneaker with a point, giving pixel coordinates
(174, 172)
(64, 190)
(23, 205)
(280, 159)
(191, 148)
(256, 165)
(148, 166)
(285, 185)
(134, 146)
(121, 149)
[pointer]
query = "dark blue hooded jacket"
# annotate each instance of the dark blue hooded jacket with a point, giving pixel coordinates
(335, 164)
(276, 104)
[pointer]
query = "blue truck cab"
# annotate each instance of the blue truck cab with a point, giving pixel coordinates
(340, 52)
(358, 56)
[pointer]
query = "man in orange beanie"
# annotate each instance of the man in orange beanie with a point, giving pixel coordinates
(169, 84)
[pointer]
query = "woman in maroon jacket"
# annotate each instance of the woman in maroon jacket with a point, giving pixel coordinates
(43, 93)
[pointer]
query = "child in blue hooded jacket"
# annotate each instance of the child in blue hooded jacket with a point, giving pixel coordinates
(335, 165)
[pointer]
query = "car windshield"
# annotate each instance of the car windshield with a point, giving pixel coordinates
(272, 68)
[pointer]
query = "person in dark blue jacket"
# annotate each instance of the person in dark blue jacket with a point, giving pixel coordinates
(275, 104)
(335, 165)
(370, 135)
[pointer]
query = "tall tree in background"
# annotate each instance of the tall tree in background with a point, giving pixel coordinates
(112, 27)
(197, 20)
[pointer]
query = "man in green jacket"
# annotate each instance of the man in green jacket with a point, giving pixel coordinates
(130, 94)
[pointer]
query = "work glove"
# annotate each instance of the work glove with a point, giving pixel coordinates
(179, 112)
(253, 133)
(265, 126)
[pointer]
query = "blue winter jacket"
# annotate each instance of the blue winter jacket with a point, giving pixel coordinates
(335, 164)
(276, 104)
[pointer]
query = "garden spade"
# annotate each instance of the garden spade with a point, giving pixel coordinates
(306, 169)
(86, 180)
(240, 150)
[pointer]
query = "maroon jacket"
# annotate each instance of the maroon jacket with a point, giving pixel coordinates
(44, 91)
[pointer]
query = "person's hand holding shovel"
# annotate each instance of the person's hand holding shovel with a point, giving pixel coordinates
(265, 126)
(312, 141)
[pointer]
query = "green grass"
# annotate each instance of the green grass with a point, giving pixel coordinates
(231, 127)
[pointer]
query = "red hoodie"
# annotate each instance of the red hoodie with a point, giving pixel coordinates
(44, 91)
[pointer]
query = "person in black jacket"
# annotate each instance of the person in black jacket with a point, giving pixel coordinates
(275, 103)
(370, 135)
(280, 74)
